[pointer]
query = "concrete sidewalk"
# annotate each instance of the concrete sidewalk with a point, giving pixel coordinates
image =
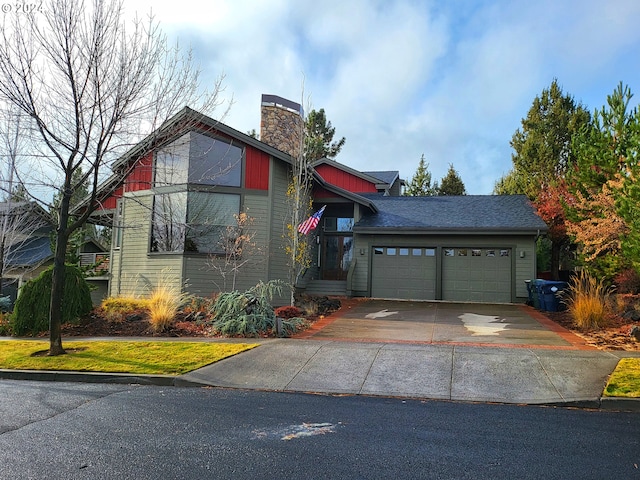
(446, 372)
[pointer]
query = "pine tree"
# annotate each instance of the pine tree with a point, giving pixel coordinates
(420, 184)
(451, 183)
(319, 137)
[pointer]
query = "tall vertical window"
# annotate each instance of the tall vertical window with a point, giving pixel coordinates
(117, 225)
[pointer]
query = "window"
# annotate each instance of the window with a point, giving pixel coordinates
(208, 217)
(403, 252)
(416, 252)
(430, 252)
(378, 251)
(338, 224)
(214, 161)
(197, 158)
(117, 226)
(168, 224)
(192, 222)
(391, 251)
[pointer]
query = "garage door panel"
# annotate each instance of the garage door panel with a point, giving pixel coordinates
(476, 274)
(404, 272)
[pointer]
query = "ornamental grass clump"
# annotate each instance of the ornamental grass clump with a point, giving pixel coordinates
(587, 299)
(163, 304)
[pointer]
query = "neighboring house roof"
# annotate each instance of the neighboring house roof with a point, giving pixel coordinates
(442, 214)
(30, 253)
(388, 177)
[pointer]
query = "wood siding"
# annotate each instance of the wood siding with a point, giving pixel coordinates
(256, 169)
(133, 270)
(203, 274)
(278, 269)
(345, 180)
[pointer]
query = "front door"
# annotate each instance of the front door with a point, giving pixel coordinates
(337, 252)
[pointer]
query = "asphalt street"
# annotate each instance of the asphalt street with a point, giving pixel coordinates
(82, 431)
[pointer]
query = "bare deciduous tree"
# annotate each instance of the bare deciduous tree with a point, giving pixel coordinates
(91, 85)
(297, 245)
(238, 248)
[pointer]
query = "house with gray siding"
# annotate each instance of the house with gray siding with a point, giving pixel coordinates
(174, 197)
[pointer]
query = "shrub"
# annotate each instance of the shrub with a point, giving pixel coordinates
(586, 299)
(163, 304)
(31, 311)
(287, 312)
(116, 309)
(5, 304)
(627, 281)
(5, 327)
(197, 309)
(246, 313)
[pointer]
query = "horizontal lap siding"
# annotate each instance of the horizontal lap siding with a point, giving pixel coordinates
(135, 271)
(203, 273)
(278, 269)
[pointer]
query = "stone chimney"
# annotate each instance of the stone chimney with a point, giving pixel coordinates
(281, 124)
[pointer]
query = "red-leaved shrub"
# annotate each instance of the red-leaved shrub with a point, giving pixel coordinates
(627, 281)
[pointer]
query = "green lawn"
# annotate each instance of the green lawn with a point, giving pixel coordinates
(170, 358)
(625, 379)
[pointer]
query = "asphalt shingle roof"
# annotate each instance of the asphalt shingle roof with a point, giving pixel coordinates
(467, 212)
(30, 253)
(385, 176)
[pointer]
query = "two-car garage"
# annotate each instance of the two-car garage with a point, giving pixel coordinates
(455, 248)
(479, 274)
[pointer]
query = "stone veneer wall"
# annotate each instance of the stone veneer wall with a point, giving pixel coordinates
(281, 128)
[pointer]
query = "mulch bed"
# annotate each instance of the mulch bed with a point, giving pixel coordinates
(613, 336)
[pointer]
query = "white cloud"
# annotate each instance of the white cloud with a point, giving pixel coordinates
(398, 79)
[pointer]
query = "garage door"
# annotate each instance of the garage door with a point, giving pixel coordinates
(476, 274)
(407, 273)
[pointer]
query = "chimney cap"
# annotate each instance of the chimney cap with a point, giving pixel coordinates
(276, 101)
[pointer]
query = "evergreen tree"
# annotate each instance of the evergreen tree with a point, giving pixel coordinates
(542, 156)
(319, 137)
(451, 183)
(604, 216)
(542, 147)
(420, 184)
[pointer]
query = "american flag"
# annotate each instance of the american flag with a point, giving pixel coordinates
(311, 222)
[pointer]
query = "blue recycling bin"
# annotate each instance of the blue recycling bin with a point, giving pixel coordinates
(548, 294)
(532, 293)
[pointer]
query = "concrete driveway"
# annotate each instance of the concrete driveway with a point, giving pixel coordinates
(442, 322)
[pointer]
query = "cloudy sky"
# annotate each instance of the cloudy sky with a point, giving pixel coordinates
(448, 79)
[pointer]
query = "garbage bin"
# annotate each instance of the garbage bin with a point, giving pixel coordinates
(548, 294)
(530, 293)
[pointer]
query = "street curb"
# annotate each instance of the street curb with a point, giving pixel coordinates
(89, 377)
(620, 404)
(613, 404)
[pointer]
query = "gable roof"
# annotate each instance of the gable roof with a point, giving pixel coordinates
(452, 214)
(389, 176)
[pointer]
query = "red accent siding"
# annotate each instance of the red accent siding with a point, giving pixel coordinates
(110, 202)
(257, 169)
(345, 180)
(319, 192)
(140, 176)
(138, 179)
